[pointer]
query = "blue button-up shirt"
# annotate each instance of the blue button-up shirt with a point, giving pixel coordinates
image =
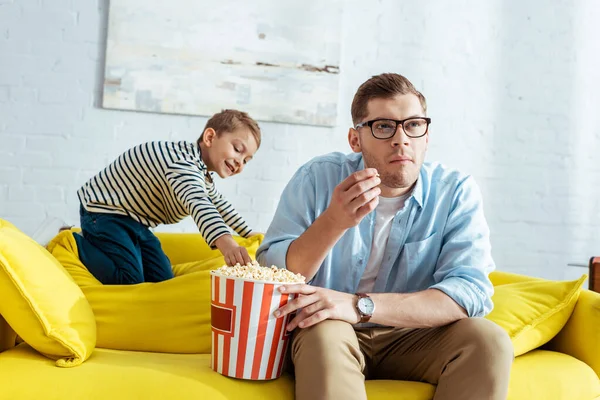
(440, 239)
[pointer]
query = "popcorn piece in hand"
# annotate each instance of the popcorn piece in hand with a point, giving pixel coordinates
(255, 271)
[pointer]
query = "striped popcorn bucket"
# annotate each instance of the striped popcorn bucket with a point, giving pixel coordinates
(248, 342)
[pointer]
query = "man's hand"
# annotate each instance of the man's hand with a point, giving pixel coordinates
(317, 304)
(354, 198)
(233, 252)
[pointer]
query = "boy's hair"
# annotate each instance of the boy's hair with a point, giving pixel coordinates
(230, 120)
(383, 86)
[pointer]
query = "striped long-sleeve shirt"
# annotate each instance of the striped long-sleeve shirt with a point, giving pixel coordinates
(162, 183)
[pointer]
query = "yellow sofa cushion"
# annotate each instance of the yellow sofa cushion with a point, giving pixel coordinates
(171, 316)
(41, 302)
(549, 375)
(114, 374)
(533, 312)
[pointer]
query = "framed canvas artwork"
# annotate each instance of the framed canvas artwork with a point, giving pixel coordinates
(278, 61)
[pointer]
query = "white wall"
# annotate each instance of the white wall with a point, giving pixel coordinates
(513, 88)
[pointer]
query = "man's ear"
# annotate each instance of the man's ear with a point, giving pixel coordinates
(354, 140)
(209, 136)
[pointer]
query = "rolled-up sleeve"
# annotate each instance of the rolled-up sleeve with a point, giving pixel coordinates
(295, 213)
(465, 259)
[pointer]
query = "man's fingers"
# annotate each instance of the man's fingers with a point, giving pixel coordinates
(367, 208)
(364, 198)
(362, 187)
(295, 304)
(295, 321)
(314, 319)
(313, 308)
(357, 177)
(300, 288)
(306, 313)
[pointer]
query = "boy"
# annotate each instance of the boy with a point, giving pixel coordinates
(162, 183)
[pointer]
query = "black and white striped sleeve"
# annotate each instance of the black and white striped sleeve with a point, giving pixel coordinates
(229, 214)
(189, 188)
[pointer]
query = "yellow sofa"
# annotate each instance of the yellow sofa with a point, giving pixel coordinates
(149, 349)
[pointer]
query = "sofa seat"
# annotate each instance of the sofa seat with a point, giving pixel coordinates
(117, 374)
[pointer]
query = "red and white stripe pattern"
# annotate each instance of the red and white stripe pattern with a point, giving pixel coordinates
(248, 342)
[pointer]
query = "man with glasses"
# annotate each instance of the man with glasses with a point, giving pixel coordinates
(397, 255)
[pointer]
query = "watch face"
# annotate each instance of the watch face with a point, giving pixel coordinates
(366, 305)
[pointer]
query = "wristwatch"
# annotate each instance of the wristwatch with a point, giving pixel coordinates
(365, 307)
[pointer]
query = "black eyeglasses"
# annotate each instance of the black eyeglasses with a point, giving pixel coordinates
(386, 128)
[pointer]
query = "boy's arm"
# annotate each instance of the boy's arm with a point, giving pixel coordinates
(188, 186)
(230, 216)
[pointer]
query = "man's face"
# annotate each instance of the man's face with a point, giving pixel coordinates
(229, 152)
(399, 158)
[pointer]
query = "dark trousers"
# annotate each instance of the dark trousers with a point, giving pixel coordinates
(118, 250)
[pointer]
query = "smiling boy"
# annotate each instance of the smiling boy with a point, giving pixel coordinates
(161, 183)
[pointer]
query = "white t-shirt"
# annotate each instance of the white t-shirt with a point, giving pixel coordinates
(385, 212)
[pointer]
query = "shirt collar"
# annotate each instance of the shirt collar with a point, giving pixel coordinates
(203, 167)
(418, 190)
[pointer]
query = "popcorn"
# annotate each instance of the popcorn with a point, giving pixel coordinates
(255, 271)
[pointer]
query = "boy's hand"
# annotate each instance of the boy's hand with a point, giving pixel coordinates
(236, 255)
(233, 252)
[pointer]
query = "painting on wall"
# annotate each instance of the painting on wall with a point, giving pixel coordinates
(277, 60)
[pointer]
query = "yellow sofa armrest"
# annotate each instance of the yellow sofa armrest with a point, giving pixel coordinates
(8, 337)
(580, 337)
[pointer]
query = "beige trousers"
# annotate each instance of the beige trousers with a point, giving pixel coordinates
(468, 359)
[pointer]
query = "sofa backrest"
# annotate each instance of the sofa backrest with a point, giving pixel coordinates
(182, 248)
(185, 247)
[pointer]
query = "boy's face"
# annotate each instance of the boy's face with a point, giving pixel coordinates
(228, 152)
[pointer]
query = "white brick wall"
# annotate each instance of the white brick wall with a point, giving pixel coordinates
(513, 89)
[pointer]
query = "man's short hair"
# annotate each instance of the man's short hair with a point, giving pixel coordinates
(230, 120)
(383, 86)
